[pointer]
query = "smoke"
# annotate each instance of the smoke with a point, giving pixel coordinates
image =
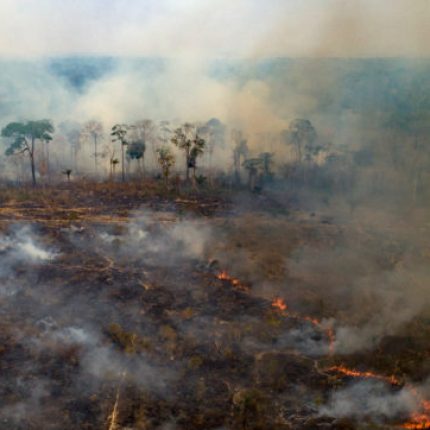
(102, 362)
(153, 236)
(29, 407)
(375, 287)
(192, 28)
(337, 234)
(349, 102)
(128, 90)
(21, 246)
(370, 399)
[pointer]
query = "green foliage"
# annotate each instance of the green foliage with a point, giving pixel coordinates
(180, 139)
(188, 139)
(196, 150)
(17, 146)
(136, 150)
(166, 160)
(23, 133)
(119, 132)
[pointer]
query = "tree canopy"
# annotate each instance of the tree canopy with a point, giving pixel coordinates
(23, 133)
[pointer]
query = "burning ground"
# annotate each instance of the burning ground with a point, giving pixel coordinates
(142, 312)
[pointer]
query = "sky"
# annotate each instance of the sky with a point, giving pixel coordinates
(215, 28)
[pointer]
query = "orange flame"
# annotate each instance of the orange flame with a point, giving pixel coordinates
(224, 276)
(418, 420)
(280, 304)
(331, 339)
(366, 374)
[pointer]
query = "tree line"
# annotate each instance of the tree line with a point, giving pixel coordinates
(133, 140)
(396, 159)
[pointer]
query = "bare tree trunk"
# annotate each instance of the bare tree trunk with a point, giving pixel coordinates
(141, 171)
(33, 169)
(122, 163)
(48, 168)
(75, 159)
(236, 163)
(187, 161)
(95, 154)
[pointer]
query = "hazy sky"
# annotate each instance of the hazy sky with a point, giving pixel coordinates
(216, 28)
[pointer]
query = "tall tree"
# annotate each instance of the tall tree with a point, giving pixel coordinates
(113, 162)
(240, 152)
(164, 132)
(93, 130)
(119, 133)
(146, 131)
(166, 160)
(254, 167)
(136, 151)
(409, 121)
(302, 136)
(25, 135)
(214, 134)
(188, 139)
(266, 164)
(71, 132)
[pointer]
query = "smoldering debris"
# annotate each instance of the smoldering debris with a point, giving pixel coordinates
(371, 399)
(146, 237)
(22, 244)
(149, 309)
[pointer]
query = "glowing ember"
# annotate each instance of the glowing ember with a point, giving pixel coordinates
(418, 420)
(367, 374)
(331, 339)
(224, 276)
(278, 303)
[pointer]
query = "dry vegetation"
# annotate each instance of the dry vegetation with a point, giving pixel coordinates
(125, 326)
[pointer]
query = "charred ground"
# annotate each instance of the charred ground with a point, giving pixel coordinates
(126, 307)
